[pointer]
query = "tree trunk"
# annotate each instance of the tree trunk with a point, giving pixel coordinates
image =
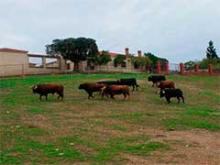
(76, 66)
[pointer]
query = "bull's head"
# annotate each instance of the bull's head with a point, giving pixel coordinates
(81, 86)
(150, 78)
(34, 88)
(162, 93)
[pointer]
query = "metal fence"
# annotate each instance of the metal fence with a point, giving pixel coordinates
(174, 67)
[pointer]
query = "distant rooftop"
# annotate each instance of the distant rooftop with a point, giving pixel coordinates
(12, 50)
(114, 54)
(40, 54)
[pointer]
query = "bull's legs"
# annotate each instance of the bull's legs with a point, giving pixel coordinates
(112, 96)
(178, 99)
(90, 95)
(137, 86)
(46, 97)
(168, 100)
(40, 97)
(60, 95)
(183, 99)
(133, 88)
(102, 95)
(153, 84)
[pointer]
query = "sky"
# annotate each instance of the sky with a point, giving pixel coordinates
(178, 30)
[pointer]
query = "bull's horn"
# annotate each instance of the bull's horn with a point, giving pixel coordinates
(34, 87)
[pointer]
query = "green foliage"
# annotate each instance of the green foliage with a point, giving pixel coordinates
(103, 58)
(119, 60)
(190, 64)
(74, 49)
(205, 62)
(139, 62)
(211, 52)
(211, 58)
(153, 58)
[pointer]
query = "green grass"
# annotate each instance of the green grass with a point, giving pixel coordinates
(195, 117)
(98, 131)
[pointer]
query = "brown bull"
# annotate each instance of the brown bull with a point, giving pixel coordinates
(45, 89)
(116, 90)
(90, 88)
(166, 84)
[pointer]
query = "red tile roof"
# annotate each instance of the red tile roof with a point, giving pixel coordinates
(12, 50)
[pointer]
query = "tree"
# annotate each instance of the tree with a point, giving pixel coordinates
(140, 62)
(119, 60)
(190, 64)
(103, 58)
(211, 52)
(154, 58)
(205, 62)
(74, 49)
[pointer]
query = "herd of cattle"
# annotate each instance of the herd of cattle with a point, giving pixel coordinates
(117, 87)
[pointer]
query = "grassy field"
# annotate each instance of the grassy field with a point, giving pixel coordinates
(141, 130)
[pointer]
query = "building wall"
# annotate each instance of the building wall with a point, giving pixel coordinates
(62, 68)
(17, 64)
(13, 63)
(111, 68)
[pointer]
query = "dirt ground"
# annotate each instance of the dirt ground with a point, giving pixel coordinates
(195, 147)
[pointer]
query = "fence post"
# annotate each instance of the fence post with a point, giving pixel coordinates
(196, 69)
(167, 69)
(182, 69)
(210, 70)
(158, 67)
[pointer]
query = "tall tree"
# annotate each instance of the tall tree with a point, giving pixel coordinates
(211, 52)
(74, 49)
(154, 58)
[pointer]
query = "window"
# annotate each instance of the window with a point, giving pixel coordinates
(35, 62)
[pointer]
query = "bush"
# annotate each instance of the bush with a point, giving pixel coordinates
(205, 62)
(140, 62)
(103, 59)
(190, 65)
(119, 60)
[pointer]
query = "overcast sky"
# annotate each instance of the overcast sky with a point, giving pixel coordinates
(178, 30)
